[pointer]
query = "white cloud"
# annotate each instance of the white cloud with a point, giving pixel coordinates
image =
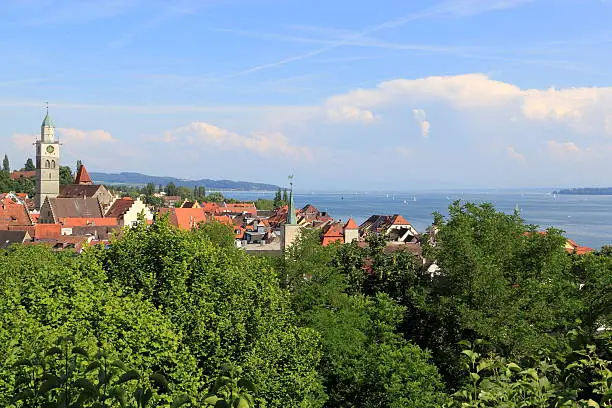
(585, 110)
(24, 141)
(349, 113)
(261, 143)
(564, 148)
(88, 136)
(420, 116)
(514, 155)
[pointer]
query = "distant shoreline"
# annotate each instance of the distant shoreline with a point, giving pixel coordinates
(586, 191)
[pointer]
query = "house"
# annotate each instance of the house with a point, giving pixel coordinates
(13, 214)
(83, 187)
(185, 218)
(331, 233)
(171, 201)
(238, 208)
(16, 175)
(57, 210)
(126, 211)
(396, 227)
(190, 204)
(572, 247)
(8, 238)
(351, 231)
(210, 208)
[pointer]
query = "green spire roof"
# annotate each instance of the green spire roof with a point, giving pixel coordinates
(47, 121)
(291, 218)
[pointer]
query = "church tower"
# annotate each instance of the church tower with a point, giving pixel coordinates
(47, 162)
(290, 230)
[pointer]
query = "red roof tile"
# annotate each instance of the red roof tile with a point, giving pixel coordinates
(82, 177)
(351, 225)
(14, 214)
(120, 207)
(15, 175)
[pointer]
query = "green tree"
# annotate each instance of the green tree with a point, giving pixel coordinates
(149, 189)
(171, 189)
(65, 175)
(5, 164)
(215, 197)
(366, 362)
(228, 305)
(29, 165)
(48, 295)
(79, 163)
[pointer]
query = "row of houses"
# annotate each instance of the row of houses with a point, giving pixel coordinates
(82, 213)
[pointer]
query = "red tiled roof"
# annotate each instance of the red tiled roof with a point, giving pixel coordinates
(14, 214)
(120, 207)
(351, 225)
(399, 220)
(184, 218)
(42, 231)
(210, 208)
(239, 208)
(27, 174)
(82, 177)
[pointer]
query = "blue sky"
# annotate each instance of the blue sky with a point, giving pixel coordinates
(369, 95)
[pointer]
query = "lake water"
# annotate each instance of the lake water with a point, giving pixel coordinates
(585, 219)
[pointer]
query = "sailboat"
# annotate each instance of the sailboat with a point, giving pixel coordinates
(413, 198)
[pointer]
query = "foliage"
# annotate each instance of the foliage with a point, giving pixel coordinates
(20, 185)
(583, 381)
(5, 164)
(171, 189)
(280, 198)
(29, 165)
(228, 305)
(48, 295)
(65, 176)
(264, 204)
(67, 375)
(218, 233)
(366, 362)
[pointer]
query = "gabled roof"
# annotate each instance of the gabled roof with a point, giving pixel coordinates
(333, 230)
(351, 225)
(184, 218)
(120, 207)
(379, 223)
(63, 207)
(82, 177)
(79, 190)
(12, 237)
(14, 214)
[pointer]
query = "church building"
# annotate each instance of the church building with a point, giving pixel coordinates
(47, 163)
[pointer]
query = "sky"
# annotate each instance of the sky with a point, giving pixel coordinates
(343, 94)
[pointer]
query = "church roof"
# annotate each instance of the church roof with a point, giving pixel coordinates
(64, 207)
(82, 176)
(79, 190)
(47, 121)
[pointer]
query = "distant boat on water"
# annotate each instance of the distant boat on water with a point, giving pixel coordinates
(413, 198)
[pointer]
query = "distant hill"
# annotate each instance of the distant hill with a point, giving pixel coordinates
(142, 179)
(586, 191)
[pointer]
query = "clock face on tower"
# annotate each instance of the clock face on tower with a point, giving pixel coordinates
(50, 149)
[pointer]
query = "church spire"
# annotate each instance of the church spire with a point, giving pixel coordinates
(47, 128)
(291, 217)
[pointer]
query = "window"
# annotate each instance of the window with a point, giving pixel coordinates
(52, 164)
(47, 164)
